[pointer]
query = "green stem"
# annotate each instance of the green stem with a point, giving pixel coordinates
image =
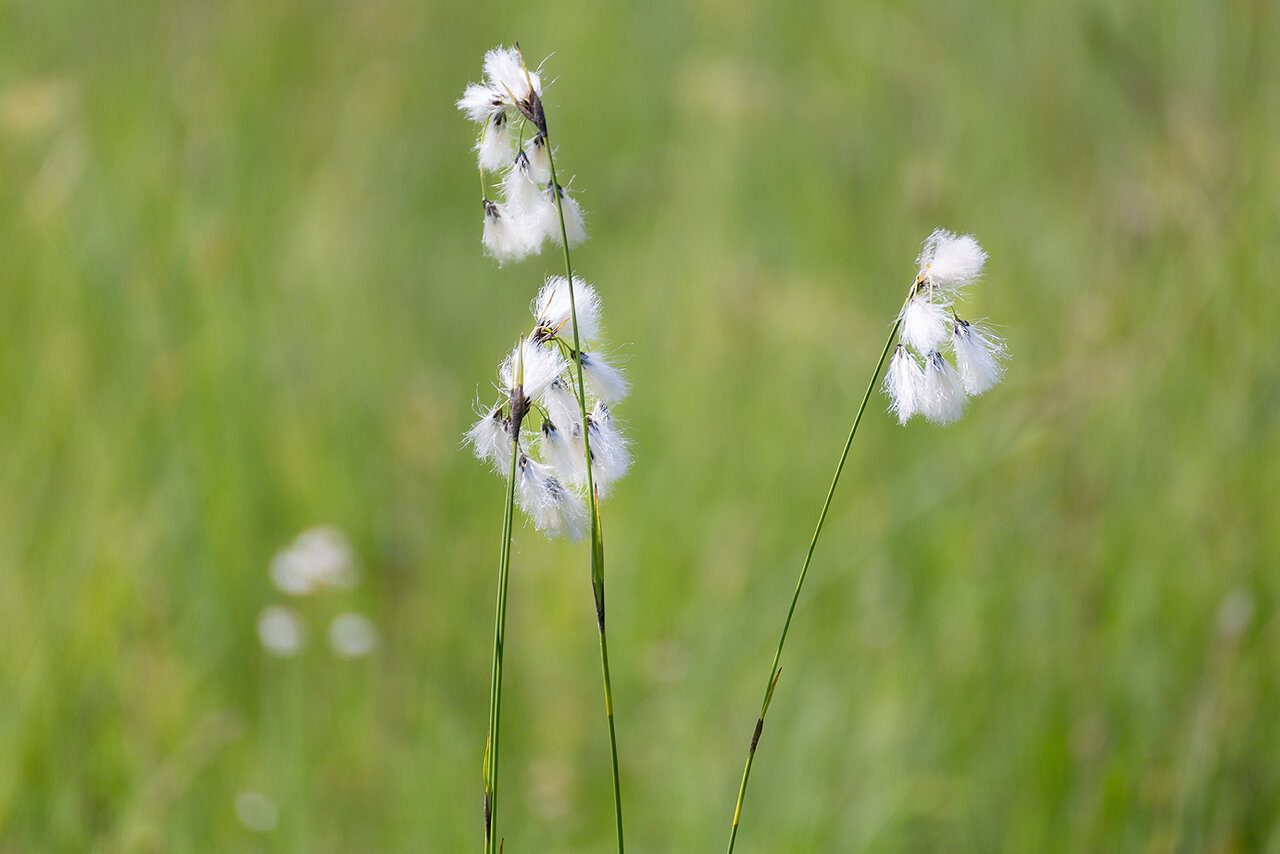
(776, 670)
(597, 540)
(495, 685)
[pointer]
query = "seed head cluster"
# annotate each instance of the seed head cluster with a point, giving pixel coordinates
(921, 380)
(513, 145)
(538, 416)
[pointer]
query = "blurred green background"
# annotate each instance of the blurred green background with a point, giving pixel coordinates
(243, 295)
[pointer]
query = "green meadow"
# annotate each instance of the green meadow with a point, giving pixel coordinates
(242, 295)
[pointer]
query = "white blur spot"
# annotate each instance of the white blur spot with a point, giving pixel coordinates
(281, 631)
(256, 811)
(1235, 613)
(352, 635)
(318, 559)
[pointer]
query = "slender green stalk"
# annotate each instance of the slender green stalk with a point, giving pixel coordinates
(499, 634)
(597, 538)
(776, 670)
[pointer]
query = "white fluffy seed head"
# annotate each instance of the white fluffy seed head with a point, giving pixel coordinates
(480, 102)
(502, 237)
(924, 324)
(950, 261)
(553, 311)
(605, 380)
(493, 148)
(904, 383)
(574, 226)
(541, 366)
(610, 450)
(552, 506)
(506, 74)
(563, 451)
(562, 406)
(978, 356)
(943, 399)
(490, 439)
(539, 160)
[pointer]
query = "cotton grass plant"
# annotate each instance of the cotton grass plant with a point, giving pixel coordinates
(921, 380)
(551, 431)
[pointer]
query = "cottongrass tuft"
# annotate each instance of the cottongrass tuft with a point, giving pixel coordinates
(929, 325)
(537, 376)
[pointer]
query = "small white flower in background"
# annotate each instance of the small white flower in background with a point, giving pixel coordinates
(926, 382)
(352, 635)
(281, 631)
(318, 559)
(257, 812)
(526, 215)
(550, 486)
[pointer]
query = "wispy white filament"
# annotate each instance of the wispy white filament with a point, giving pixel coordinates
(563, 450)
(502, 237)
(951, 261)
(506, 74)
(494, 146)
(605, 380)
(943, 399)
(541, 366)
(978, 354)
(553, 312)
(924, 324)
(562, 405)
(490, 439)
(574, 226)
(539, 160)
(553, 508)
(610, 450)
(904, 384)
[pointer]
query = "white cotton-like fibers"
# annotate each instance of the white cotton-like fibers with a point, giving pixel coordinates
(502, 238)
(610, 450)
(950, 261)
(494, 146)
(562, 406)
(490, 439)
(539, 160)
(553, 310)
(943, 399)
(605, 380)
(480, 102)
(978, 354)
(924, 324)
(574, 226)
(541, 366)
(553, 508)
(507, 75)
(564, 451)
(904, 384)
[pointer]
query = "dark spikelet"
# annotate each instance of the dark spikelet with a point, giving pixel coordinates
(755, 737)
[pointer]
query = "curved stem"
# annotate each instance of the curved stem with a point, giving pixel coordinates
(776, 670)
(597, 539)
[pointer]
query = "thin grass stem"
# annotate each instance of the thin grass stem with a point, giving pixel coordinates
(597, 538)
(776, 670)
(499, 637)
